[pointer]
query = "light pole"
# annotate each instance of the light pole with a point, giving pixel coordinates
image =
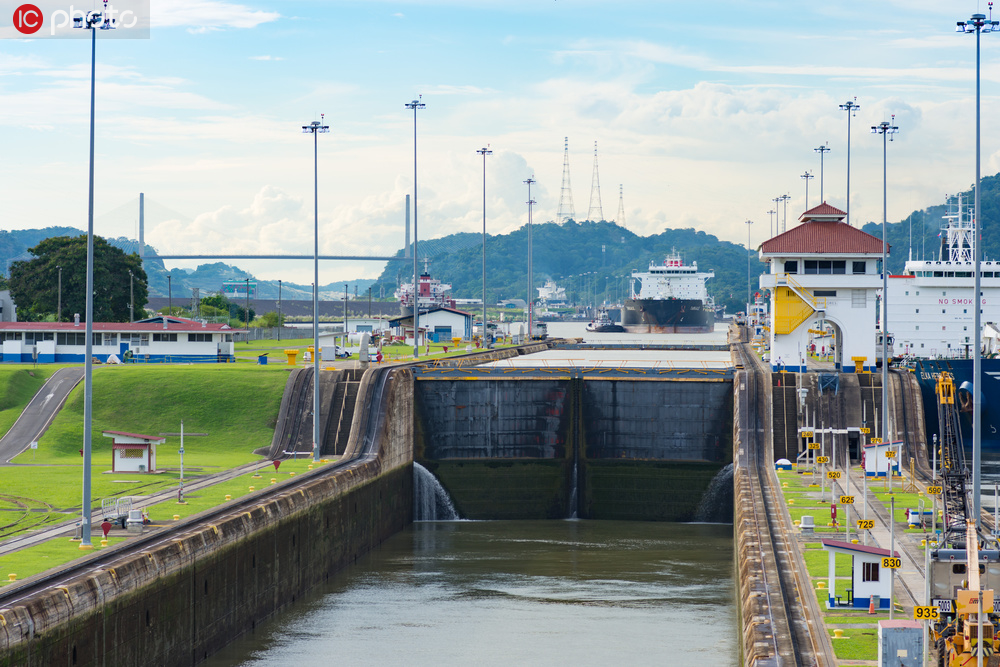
(246, 309)
(415, 104)
(484, 152)
(770, 218)
(316, 128)
(748, 223)
(531, 202)
(806, 176)
(89, 22)
(279, 309)
(170, 295)
(131, 296)
(978, 24)
(886, 129)
(851, 107)
(59, 302)
(822, 150)
(777, 220)
(784, 221)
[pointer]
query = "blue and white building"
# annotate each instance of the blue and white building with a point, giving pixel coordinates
(157, 339)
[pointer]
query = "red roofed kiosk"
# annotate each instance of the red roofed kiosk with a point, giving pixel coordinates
(868, 578)
(133, 452)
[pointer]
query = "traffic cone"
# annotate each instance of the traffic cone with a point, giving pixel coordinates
(871, 604)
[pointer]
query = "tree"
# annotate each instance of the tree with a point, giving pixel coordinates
(34, 284)
(224, 305)
(269, 320)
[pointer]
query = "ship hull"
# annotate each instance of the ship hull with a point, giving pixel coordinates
(667, 316)
(927, 372)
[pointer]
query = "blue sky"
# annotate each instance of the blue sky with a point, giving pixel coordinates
(703, 112)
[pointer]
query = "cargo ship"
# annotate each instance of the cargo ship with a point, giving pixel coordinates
(669, 298)
(431, 293)
(931, 326)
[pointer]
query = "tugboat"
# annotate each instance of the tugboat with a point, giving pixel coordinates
(604, 324)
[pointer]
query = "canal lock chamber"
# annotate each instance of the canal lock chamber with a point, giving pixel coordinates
(592, 448)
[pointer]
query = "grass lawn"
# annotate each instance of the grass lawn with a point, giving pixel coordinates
(212, 496)
(42, 557)
(236, 405)
(818, 563)
(857, 644)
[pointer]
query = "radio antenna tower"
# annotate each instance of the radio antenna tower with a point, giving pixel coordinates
(620, 218)
(596, 213)
(566, 210)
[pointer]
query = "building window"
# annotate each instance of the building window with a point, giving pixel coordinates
(199, 338)
(136, 339)
(164, 338)
(71, 338)
(918, 312)
(825, 292)
(10, 335)
(869, 572)
(859, 267)
(918, 327)
(791, 266)
(859, 298)
(32, 337)
(111, 339)
(132, 453)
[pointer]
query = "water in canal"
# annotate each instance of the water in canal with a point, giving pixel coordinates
(517, 593)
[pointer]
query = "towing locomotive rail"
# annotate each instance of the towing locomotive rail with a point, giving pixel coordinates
(784, 633)
(364, 451)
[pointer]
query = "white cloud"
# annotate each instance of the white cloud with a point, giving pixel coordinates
(207, 15)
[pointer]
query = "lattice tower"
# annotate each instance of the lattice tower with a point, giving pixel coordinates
(566, 210)
(596, 212)
(620, 218)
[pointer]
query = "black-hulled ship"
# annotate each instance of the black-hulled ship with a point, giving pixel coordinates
(669, 298)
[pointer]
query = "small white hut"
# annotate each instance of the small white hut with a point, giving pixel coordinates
(133, 452)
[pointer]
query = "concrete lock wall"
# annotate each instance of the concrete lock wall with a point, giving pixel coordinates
(182, 599)
(507, 448)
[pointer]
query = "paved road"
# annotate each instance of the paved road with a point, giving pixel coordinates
(39, 413)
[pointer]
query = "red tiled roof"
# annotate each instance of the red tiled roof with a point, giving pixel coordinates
(850, 546)
(823, 237)
(152, 438)
(824, 210)
(190, 326)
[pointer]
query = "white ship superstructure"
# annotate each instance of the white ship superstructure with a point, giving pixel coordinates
(431, 293)
(930, 306)
(673, 279)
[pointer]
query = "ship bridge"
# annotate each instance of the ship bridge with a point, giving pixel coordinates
(824, 274)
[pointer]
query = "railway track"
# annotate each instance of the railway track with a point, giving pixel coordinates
(799, 636)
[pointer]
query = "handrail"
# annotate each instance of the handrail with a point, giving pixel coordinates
(817, 302)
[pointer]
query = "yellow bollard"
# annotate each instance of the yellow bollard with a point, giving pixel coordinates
(177, 517)
(251, 488)
(854, 540)
(11, 577)
(839, 634)
(104, 542)
(796, 522)
(291, 474)
(784, 485)
(273, 481)
(791, 501)
(310, 466)
(821, 584)
(228, 497)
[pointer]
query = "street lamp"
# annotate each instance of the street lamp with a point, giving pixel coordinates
(131, 296)
(59, 302)
(977, 24)
(770, 218)
(748, 223)
(777, 221)
(851, 107)
(886, 129)
(784, 221)
(170, 295)
(279, 309)
(246, 310)
(531, 202)
(822, 150)
(484, 152)
(315, 128)
(415, 104)
(89, 22)
(806, 176)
